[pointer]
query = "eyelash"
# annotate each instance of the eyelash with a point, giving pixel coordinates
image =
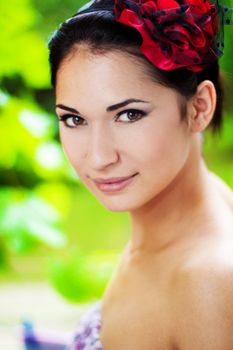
(65, 117)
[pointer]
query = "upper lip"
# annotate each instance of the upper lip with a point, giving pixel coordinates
(112, 179)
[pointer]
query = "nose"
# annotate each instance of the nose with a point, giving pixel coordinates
(102, 150)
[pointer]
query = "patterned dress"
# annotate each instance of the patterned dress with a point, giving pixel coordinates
(87, 335)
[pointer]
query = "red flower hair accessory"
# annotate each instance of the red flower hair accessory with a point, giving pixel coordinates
(175, 33)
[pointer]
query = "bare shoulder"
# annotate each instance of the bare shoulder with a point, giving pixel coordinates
(224, 190)
(203, 297)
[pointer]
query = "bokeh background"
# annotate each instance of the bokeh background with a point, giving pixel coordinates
(52, 231)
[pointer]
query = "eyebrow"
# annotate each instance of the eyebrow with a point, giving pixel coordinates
(123, 104)
(108, 109)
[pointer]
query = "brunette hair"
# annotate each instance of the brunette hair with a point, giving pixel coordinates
(101, 33)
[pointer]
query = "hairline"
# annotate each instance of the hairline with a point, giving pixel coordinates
(148, 70)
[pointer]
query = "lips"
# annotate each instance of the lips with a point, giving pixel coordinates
(113, 185)
(112, 180)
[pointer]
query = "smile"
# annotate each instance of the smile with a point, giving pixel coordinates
(116, 186)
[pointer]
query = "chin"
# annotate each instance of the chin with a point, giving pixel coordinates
(129, 200)
(115, 205)
(114, 202)
(121, 203)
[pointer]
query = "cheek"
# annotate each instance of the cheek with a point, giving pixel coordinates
(162, 150)
(73, 146)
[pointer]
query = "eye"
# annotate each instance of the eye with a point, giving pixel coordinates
(71, 120)
(131, 115)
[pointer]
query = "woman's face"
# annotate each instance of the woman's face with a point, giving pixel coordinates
(119, 123)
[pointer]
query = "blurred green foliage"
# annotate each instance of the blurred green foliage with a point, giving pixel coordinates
(45, 214)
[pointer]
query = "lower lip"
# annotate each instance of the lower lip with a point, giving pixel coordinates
(116, 186)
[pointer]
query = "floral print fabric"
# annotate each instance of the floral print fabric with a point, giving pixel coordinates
(87, 335)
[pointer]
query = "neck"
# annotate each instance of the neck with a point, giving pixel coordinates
(165, 220)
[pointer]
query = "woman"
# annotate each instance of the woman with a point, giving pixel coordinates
(136, 84)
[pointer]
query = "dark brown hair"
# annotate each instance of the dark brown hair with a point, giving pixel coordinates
(99, 30)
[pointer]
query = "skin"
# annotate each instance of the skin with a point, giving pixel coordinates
(173, 286)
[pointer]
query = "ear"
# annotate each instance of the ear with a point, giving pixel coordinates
(201, 106)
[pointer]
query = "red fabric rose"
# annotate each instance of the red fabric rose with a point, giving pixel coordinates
(174, 33)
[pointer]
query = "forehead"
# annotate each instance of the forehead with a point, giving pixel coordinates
(81, 66)
(104, 77)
